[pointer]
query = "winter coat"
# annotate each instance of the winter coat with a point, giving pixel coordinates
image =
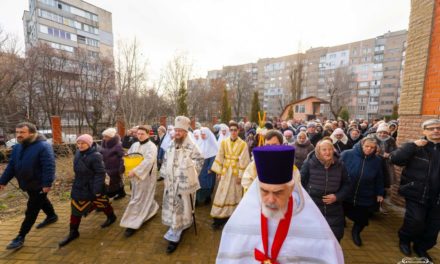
(415, 179)
(319, 181)
(33, 164)
(89, 174)
(301, 152)
(112, 154)
(388, 146)
(365, 174)
(314, 138)
(340, 146)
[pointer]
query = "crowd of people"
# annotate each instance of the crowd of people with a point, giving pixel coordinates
(319, 172)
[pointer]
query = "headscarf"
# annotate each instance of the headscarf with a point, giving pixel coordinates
(208, 147)
(223, 127)
(168, 138)
(326, 163)
(339, 131)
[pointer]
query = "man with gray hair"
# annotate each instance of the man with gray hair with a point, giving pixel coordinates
(420, 186)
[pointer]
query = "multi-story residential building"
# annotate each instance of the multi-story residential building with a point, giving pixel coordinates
(68, 25)
(83, 33)
(365, 75)
(276, 76)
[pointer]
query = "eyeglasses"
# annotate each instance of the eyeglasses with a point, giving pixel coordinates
(432, 128)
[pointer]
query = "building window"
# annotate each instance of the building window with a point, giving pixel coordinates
(300, 109)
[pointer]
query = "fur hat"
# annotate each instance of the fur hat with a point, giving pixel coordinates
(383, 128)
(182, 122)
(110, 132)
(86, 138)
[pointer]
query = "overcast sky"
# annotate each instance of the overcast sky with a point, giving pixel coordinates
(215, 33)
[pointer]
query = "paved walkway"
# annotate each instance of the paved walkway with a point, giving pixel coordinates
(97, 245)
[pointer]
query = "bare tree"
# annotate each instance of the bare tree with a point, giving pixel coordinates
(53, 73)
(11, 74)
(337, 82)
(240, 88)
(136, 102)
(131, 79)
(178, 70)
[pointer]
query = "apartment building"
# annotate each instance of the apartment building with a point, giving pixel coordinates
(69, 25)
(367, 75)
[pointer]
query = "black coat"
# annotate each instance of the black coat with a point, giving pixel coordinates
(112, 154)
(89, 174)
(420, 164)
(319, 181)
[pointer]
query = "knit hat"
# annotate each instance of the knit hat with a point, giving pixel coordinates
(274, 163)
(338, 131)
(288, 133)
(110, 132)
(182, 122)
(311, 124)
(86, 138)
(383, 128)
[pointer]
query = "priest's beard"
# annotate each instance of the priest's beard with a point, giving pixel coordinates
(268, 212)
(179, 141)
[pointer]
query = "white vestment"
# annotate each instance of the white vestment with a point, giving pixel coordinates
(309, 240)
(142, 205)
(180, 169)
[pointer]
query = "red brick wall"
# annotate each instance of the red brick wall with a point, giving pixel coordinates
(431, 95)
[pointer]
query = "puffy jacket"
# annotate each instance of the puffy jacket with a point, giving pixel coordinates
(415, 178)
(33, 165)
(319, 181)
(366, 176)
(89, 174)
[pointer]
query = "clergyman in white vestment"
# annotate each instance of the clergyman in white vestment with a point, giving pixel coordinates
(309, 238)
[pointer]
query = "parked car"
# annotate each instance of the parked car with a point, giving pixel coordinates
(47, 133)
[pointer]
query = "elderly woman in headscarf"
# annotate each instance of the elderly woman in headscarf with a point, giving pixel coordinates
(326, 180)
(196, 134)
(223, 133)
(340, 140)
(208, 147)
(112, 153)
(302, 148)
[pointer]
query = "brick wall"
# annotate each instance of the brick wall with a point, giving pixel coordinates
(420, 96)
(431, 95)
(419, 33)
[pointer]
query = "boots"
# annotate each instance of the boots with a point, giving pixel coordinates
(356, 234)
(73, 234)
(110, 220)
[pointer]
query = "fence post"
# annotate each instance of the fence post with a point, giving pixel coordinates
(57, 136)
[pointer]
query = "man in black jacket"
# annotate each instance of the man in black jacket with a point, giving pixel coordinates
(33, 164)
(420, 186)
